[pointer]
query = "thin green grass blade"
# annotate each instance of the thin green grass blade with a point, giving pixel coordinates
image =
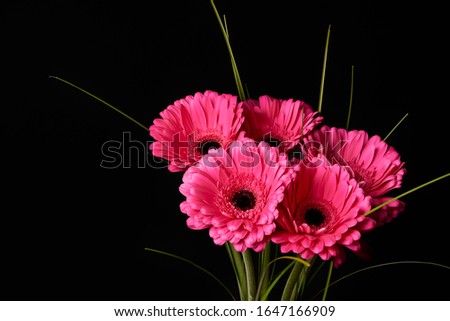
(274, 282)
(315, 272)
(264, 260)
(324, 67)
(302, 284)
(293, 258)
(100, 100)
(304, 277)
(351, 98)
(195, 265)
(237, 77)
(376, 208)
(233, 63)
(379, 266)
(266, 269)
(395, 127)
(296, 288)
(291, 283)
(247, 92)
(327, 284)
(274, 264)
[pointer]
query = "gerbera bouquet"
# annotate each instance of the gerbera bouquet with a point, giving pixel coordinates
(267, 173)
(271, 182)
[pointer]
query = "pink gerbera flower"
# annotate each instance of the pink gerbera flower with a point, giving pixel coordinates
(281, 123)
(191, 126)
(371, 161)
(322, 213)
(235, 194)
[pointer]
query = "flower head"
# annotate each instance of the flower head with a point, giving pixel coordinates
(281, 123)
(191, 126)
(374, 164)
(322, 212)
(235, 193)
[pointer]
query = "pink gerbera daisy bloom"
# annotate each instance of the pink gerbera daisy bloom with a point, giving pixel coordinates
(322, 213)
(370, 160)
(191, 126)
(235, 194)
(281, 123)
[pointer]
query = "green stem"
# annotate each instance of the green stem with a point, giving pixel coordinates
(239, 269)
(264, 262)
(304, 276)
(291, 282)
(273, 282)
(250, 275)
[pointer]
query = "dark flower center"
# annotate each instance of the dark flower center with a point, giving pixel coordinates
(273, 142)
(243, 200)
(295, 152)
(314, 217)
(206, 145)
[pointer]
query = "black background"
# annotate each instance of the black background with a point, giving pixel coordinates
(72, 230)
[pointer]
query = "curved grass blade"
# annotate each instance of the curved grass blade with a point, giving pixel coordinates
(100, 100)
(264, 260)
(274, 282)
(327, 284)
(324, 67)
(378, 266)
(406, 193)
(304, 277)
(311, 278)
(351, 98)
(291, 283)
(237, 77)
(266, 269)
(195, 265)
